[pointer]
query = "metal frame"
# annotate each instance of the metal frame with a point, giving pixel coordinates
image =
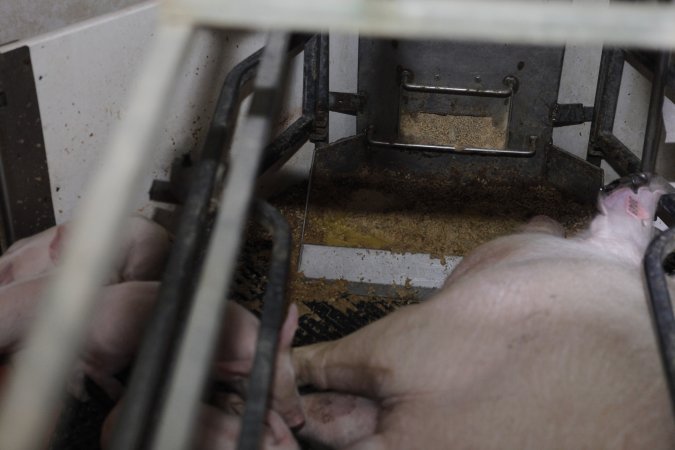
(603, 144)
(635, 24)
(40, 372)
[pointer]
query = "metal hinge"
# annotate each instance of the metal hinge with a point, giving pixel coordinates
(566, 114)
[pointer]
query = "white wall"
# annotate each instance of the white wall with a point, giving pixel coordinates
(22, 19)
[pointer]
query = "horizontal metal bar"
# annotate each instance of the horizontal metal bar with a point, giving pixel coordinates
(510, 81)
(449, 149)
(626, 24)
(346, 103)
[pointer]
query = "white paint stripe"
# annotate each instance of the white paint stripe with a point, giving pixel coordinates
(375, 266)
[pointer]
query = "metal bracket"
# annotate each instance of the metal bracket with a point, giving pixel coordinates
(346, 103)
(566, 114)
(666, 209)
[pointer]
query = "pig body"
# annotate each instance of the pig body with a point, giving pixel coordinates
(535, 341)
(219, 426)
(115, 332)
(143, 252)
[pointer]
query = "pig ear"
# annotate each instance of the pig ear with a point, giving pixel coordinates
(289, 327)
(56, 243)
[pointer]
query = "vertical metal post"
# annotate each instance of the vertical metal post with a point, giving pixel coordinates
(655, 117)
(186, 385)
(606, 97)
(262, 374)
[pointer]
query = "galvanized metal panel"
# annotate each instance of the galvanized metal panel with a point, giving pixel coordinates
(26, 200)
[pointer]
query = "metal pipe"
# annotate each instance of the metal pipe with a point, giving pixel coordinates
(320, 134)
(36, 383)
(310, 77)
(187, 382)
(449, 149)
(625, 24)
(617, 155)
(607, 91)
(655, 116)
(257, 396)
(286, 144)
(510, 81)
(661, 305)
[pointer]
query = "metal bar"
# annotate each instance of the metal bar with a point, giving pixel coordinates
(346, 103)
(37, 381)
(154, 356)
(187, 382)
(510, 81)
(606, 97)
(636, 24)
(320, 133)
(617, 155)
(449, 149)
(666, 209)
(286, 144)
(645, 63)
(257, 396)
(310, 77)
(661, 305)
(654, 128)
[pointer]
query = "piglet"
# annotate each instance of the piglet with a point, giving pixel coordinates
(219, 427)
(535, 341)
(143, 252)
(114, 334)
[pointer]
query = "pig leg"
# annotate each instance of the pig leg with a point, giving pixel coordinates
(235, 359)
(334, 420)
